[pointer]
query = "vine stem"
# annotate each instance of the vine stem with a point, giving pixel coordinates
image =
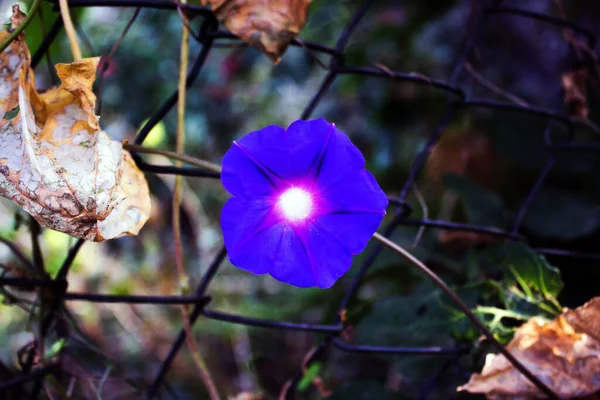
(22, 25)
(177, 194)
(207, 165)
(70, 29)
(464, 308)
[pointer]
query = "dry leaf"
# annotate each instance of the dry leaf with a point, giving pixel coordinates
(573, 84)
(11, 61)
(269, 25)
(563, 353)
(56, 163)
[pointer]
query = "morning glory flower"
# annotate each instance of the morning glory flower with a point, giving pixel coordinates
(303, 203)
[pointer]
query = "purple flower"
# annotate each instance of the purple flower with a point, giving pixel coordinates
(303, 203)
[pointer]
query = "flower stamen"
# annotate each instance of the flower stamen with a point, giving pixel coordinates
(295, 203)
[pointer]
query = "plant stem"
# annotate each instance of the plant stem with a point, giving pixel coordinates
(70, 29)
(23, 25)
(183, 67)
(464, 308)
(207, 165)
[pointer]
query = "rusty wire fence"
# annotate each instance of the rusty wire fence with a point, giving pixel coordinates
(29, 382)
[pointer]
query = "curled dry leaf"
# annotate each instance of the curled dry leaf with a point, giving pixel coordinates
(563, 353)
(56, 163)
(269, 25)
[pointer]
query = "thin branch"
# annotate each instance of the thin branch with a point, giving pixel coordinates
(175, 156)
(70, 29)
(21, 256)
(35, 230)
(177, 193)
(468, 313)
(425, 209)
(489, 85)
(48, 57)
(106, 60)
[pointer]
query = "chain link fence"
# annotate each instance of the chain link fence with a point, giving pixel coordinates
(30, 381)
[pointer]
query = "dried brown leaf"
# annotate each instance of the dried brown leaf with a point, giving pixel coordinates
(269, 25)
(586, 318)
(563, 353)
(56, 163)
(11, 60)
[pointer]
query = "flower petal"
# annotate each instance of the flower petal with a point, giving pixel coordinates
(310, 257)
(354, 230)
(251, 234)
(267, 147)
(329, 259)
(243, 176)
(306, 142)
(358, 193)
(292, 264)
(341, 158)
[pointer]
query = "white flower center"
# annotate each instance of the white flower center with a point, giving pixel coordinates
(295, 204)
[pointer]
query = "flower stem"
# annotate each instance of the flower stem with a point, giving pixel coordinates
(207, 165)
(23, 25)
(177, 193)
(464, 308)
(70, 29)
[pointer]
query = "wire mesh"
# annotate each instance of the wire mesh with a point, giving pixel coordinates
(456, 99)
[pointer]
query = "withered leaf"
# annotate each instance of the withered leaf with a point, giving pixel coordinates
(563, 353)
(56, 163)
(269, 25)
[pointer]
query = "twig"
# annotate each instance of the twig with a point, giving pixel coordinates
(176, 156)
(22, 25)
(87, 44)
(106, 60)
(35, 230)
(70, 29)
(183, 67)
(186, 22)
(22, 257)
(489, 85)
(48, 57)
(423, 205)
(469, 314)
(103, 380)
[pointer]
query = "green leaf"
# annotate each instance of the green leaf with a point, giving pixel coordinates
(497, 320)
(525, 269)
(56, 348)
(309, 375)
(560, 215)
(425, 318)
(482, 207)
(405, 321)
(362, 390)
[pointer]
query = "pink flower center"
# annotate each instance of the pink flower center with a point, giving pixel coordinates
(295, 203)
